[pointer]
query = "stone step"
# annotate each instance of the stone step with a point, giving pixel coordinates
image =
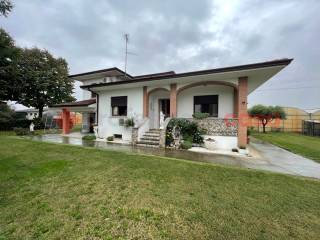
(154, 139)
(148, 134)
(154, 130)
(148, 143)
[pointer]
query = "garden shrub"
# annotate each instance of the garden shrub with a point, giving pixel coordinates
(22, 123)
(186, 145)
(197, 138)
(21, 131)
(38, 123)
(129, 122)
(189, 131)
(89, 137)
(199, 115)
(110, 138)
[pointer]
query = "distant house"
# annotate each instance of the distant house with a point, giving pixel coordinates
(30, 113)
(114, 96)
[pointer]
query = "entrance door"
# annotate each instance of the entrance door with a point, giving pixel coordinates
(164, 106)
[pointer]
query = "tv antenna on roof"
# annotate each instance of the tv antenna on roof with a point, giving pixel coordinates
(126, 38)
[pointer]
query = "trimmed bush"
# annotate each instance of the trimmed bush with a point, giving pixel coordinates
(129, 122)
(89, 138)
(21, 131)
(197, 138)
(186, 145)
(110, 138)
(199, 115)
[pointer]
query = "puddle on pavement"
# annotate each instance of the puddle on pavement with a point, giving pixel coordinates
(182, 154)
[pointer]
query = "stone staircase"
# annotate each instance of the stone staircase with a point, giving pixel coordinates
(150, 138)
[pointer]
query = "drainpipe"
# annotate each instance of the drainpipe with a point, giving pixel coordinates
(97, 103)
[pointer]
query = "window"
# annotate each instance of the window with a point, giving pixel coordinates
(206, 104)
(119, 106)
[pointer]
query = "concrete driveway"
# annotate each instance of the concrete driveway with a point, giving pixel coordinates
(276, 159)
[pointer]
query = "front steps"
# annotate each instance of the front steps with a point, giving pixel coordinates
(150, 138)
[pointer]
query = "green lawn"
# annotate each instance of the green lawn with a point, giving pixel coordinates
(51, 191)
(303, 145)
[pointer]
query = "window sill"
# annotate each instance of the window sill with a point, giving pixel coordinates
(118, 117)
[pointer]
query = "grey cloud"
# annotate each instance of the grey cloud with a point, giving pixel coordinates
(179, 35)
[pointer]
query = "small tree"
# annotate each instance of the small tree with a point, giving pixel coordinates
(266, 114)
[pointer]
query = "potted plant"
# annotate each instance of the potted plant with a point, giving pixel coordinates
(129, 122)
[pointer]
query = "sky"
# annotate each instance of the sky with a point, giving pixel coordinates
(182, 36)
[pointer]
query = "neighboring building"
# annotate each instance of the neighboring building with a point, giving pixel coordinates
(114, 96)
(30, 113)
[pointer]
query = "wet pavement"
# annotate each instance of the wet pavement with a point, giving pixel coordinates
(280, 160)
(266, 157)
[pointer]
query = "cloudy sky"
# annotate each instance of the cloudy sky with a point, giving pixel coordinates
(182, 36)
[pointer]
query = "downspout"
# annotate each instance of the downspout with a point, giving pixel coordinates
(97, 103)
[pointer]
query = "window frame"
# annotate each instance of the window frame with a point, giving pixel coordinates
(112, 106)
(215, 95)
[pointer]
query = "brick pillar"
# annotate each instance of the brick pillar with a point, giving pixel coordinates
(65, 121)
(145, 102)
(235, 102)
(173, 100)
(242, 111)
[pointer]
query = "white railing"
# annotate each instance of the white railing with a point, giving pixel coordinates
(143, 127)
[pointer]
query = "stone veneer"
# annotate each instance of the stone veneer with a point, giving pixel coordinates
(218, 126)
(135, 135)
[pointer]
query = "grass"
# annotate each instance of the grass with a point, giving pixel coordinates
(51, 191)
(36, 132)
(303, 145)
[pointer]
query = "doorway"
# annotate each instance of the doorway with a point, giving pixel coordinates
(164, 107)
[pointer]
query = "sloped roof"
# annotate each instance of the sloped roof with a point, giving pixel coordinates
(167, 75)
(82, 103)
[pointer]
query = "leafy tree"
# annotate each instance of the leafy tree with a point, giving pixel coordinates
(5, 7)
(265, 114)
(9, 53)
(45, 79)
(6, 114)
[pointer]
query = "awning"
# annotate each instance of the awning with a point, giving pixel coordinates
(88, 105)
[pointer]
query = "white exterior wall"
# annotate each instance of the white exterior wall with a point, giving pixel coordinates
(225, 99)
(108, 124)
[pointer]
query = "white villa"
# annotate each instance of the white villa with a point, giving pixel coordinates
(112, 96)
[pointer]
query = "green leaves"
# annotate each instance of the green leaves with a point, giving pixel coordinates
(5, 7)
(266, 113)
(32, 77)
(45, 79)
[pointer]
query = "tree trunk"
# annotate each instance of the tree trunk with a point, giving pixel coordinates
(40, 108)
(264, 127)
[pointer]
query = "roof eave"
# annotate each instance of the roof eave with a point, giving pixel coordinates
(282, 62)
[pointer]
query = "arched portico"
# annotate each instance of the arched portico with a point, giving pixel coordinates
(206, 83)
(157, 100)
(234, 111)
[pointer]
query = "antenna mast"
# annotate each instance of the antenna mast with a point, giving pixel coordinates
(126, 37)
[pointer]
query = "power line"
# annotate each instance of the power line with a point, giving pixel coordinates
(288, 88)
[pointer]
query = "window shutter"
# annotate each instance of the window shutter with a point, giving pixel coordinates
(119, 101)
